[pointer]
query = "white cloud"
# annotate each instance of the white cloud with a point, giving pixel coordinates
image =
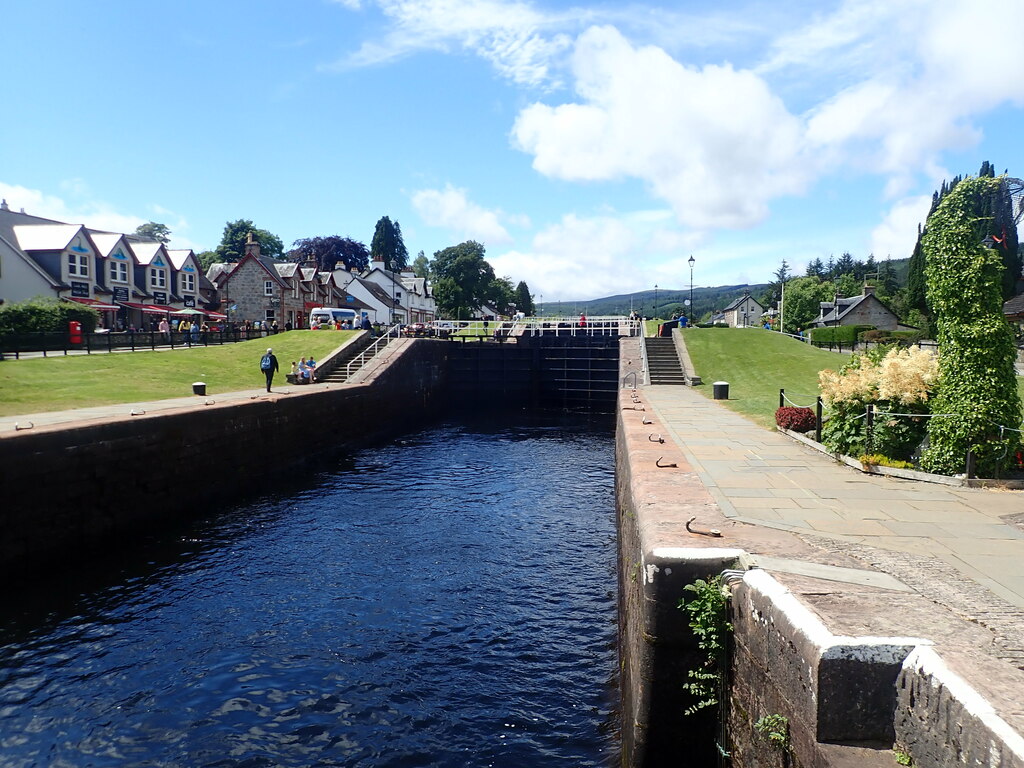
(451, 208)
(517, 39)
(897, 233)
(95, 214)
(714, 142)
(599, 256)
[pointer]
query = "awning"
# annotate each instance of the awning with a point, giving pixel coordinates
(150, 308)
(94, 303)
(216, 315)
(188, 311)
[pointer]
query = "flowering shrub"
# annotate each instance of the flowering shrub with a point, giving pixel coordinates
(796, 419)
(893, 380)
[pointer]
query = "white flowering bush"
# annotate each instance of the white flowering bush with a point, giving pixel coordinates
(894, 381)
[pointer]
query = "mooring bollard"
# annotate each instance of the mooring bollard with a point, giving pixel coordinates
(720, 390)
(199, 388)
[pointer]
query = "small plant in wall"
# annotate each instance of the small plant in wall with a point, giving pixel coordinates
(710, 624)
(775, 729)
(902, 758)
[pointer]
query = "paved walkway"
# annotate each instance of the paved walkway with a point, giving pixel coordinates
(766, 478)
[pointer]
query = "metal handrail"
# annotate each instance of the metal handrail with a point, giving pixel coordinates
(394, 332)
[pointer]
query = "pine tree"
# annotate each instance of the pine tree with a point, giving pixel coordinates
(816, 269)
(387, 245)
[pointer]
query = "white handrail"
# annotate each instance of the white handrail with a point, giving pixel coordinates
(359, 360)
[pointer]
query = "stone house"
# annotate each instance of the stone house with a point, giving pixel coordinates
(252, 290)
(866, 309)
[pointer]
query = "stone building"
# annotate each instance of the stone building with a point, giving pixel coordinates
(743, 312)
(866, 309)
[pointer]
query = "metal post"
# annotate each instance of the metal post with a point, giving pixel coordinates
(782, 398)
(869, 440)
(969, 465)
(817, 421)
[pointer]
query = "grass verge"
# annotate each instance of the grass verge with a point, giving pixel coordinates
(758, 363)
(78, 381)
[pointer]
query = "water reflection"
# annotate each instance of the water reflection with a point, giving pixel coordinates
(444, 601)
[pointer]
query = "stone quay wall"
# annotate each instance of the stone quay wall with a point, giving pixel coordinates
(67, 488)
(840, 699)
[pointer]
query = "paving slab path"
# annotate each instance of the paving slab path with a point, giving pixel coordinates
(962, 548)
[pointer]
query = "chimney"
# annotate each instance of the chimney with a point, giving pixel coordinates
(4, 206)
(251, 246)
(868, 289)
(377, 265)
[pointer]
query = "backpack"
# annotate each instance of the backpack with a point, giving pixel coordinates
(266, 363)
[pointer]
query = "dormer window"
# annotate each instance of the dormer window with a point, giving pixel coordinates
(118, 272)
(159, 278)
(188, 283)
(78, 264)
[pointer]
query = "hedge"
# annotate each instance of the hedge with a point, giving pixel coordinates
(44, 314)
(838, 334)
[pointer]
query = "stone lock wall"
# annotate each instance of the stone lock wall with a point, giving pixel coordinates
(67, 489)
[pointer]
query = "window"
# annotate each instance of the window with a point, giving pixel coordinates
(269, 315)
(78, 264)
(118, 272)
(159, 278)
(268, 288)
(188, 283)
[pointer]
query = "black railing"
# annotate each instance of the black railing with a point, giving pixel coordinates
(60, 342)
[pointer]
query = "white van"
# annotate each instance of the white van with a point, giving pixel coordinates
(322, 316)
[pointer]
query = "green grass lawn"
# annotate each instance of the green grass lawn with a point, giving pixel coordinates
(757, 363)
(78, 381)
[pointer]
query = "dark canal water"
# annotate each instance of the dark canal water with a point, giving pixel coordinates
(448, 600)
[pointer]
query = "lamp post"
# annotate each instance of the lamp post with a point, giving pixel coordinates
(654, 311)
(691, 261)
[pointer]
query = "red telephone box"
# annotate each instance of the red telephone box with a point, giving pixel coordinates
(75, 332)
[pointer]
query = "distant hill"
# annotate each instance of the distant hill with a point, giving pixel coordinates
(704, 299)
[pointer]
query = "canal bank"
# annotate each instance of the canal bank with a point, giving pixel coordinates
(841, 650)
(853, 662)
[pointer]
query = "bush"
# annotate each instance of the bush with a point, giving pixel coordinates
(796, 419)
(877, 460)
(43, 314)
(903, 338)
(838, 334)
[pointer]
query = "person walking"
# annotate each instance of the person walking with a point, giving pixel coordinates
(268, 364)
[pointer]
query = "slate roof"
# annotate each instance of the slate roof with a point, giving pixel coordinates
(378, 292)
(1014, 307)
(736, 302)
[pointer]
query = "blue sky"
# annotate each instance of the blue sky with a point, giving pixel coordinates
(591, 148)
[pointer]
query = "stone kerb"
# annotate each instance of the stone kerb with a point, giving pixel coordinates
(842, 689)
(942, 721)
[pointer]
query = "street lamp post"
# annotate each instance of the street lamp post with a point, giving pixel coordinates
(691, 261)
(654, 311)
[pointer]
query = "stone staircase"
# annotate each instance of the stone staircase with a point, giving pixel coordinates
(333, 372)
(663, 366)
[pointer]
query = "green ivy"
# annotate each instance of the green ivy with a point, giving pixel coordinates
(775, 728)
(708, 610)
(976, 350)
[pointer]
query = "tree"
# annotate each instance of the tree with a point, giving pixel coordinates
(844, 266)
(772, 294)
(153, 231)
(463, 279)
(232, 242)
(916, 287)
(502, 295)
(328, 251)
(803, 302)
(524, 301)
(420, 265)
(816, 269)
(387, 245)
(207, 259)
(976, 348)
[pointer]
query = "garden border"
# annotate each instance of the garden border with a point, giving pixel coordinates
(905, 474)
